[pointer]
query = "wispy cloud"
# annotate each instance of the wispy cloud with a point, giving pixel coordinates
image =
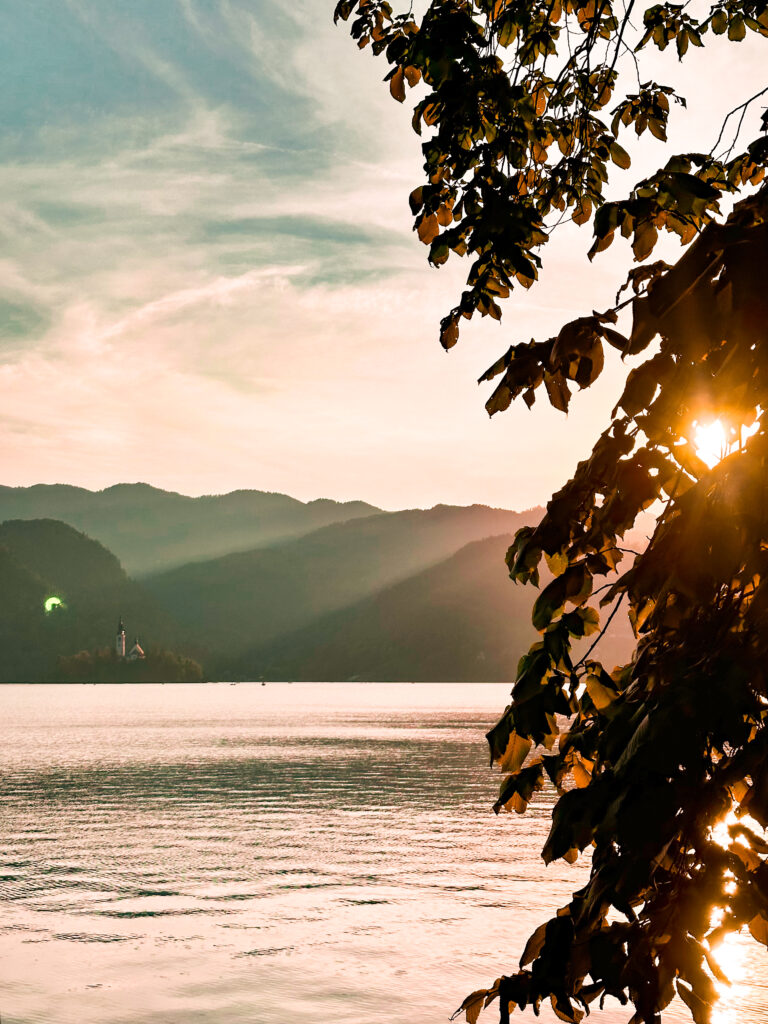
(207, 272)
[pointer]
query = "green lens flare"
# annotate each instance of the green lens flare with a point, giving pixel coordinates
(51, 603)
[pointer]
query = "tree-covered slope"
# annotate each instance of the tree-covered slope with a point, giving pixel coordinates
(462, 620)
(150, 529)
(41, 559)
(246, 600)
(65, 557)
(402, 596)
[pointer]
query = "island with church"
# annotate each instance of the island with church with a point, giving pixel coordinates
(119, 663)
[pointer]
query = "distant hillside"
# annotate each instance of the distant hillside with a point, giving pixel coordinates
(416, 595)
(247, 600)
(66, 558)
(460, 621)
(42, 558)
(150, 530)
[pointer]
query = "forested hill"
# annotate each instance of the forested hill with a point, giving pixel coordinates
(41, 559)
(247, 600)
(416, 595)
(459, 621)
(150, 529)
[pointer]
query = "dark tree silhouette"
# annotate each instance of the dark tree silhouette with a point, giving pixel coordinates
(522, 111)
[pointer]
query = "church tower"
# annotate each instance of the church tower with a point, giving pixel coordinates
(120, 639)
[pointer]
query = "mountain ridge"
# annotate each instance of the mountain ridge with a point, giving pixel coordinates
(419, 594)
(278, 588)
(150, 529)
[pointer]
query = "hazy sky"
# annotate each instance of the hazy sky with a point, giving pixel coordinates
(208, 277)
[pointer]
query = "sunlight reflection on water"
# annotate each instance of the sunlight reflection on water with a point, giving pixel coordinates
(222, 854)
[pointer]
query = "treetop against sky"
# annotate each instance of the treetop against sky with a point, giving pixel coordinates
(209, 279)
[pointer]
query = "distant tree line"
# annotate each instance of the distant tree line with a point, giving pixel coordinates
(103, 666)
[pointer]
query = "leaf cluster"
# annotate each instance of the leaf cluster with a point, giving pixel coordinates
(519, 103)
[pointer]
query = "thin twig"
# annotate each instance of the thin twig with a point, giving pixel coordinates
(742, 106)
(601, 634)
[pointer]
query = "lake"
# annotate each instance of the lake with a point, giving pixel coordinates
(240, 853)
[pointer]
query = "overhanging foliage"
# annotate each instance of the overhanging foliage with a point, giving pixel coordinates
(524, 119)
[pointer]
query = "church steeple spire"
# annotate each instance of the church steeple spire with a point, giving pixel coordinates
(120, 639)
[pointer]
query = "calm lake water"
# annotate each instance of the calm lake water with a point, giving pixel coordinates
(222, 854)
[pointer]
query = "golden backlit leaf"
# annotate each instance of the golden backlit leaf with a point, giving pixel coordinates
(534, 945)
(739, 790)
(600, 244)
(428, 228)
(638, 616)
(557, 390)
(431, 113)
(518, 804)
(758, 927)
(736, 28)
(539, 97)
(582, 776)
(719, 22)
(517, 750)
(747, 856)
(492, 993)
(397, 85)
(620, 156)
(602, 696)
(412, 75)
(416, 200)
(566, 1011)
(591, 619)
(583, 211)
(445, 215)
(557, 563)
(449, 335)
(472, 1005)
(645, 239)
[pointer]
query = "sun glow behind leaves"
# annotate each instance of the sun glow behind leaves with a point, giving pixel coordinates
(737, 958)
(710, 442)
(731, 952)
(51, 603)
(713, 442)
(719, 833)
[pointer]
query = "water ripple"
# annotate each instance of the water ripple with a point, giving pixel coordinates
(222, 854)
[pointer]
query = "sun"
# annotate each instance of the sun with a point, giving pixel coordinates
(52, 603)
(711, 442)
